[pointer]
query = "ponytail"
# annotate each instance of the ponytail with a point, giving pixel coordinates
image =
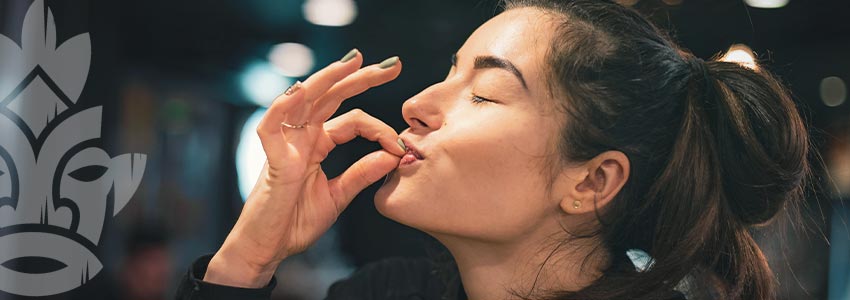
(761, 144)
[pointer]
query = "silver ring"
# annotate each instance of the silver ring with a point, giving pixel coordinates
(294, 126)
(292, 89)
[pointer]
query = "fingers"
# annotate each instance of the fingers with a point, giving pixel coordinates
(358, 123)
(269, 128)
(315, 100)
(317, 84)
(370, 168)
(293, 106)
(353, 85)
(360, 175)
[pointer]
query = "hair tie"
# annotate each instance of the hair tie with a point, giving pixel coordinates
(699, 70)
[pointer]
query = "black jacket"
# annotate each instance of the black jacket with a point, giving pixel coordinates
(388, 279)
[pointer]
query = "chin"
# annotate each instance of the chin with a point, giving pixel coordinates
(395, 204)
(387, 200)
(381, 198)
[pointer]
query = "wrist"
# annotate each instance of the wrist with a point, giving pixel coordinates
(230, 268)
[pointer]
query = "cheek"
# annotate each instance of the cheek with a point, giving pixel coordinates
(481, 183)
(498, 186)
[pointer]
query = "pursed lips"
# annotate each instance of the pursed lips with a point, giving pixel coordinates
(411, 155)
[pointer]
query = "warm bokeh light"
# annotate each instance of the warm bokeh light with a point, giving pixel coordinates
(330, 12)
(833, 91)
(292, 59)
(741, 54)
(766, 3)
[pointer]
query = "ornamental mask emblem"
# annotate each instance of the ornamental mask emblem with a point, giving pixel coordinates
(57, 185)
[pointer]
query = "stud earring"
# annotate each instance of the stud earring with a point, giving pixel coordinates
(576, 204)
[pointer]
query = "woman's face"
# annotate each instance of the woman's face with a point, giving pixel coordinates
(482, 173)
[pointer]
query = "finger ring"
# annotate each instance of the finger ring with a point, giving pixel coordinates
(294, 126)
(292, 89)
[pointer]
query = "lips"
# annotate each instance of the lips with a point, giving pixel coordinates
(412, 149)
(412, 154)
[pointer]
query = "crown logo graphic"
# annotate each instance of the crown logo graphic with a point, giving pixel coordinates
(57, 186)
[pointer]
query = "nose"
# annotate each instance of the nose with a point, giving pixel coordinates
(426, 111)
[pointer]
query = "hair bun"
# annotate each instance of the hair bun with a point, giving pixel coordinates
(762, 142)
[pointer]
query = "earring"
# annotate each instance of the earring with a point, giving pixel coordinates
(576, 204)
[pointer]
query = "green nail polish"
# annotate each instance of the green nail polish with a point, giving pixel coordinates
(389, 62)
(350, 55)
(401, 144)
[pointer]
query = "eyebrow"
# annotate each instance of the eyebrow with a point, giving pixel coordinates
(488, 62)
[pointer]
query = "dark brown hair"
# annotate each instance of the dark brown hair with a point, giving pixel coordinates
(714, 147)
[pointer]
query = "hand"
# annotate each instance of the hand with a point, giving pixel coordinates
(293, 203)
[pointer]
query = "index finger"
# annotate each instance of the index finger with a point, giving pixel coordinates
(358, 123)
(320, 82)
(354, 84)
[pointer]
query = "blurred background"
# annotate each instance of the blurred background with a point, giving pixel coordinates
(185, 82)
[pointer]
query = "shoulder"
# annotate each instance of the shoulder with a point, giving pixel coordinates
(390, 278)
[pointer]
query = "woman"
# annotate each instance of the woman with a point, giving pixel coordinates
(565, 134)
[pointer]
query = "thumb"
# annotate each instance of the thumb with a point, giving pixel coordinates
(360, 175)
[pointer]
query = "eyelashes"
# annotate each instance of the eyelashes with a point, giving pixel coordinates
(478, 100)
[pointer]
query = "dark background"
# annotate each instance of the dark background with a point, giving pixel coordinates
(168, 76)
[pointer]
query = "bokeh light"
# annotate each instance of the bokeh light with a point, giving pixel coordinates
(833, 91)
(261, 83)
(741, 54)
(766, 3)
(330, 12)
(292, 59)
(250, 156)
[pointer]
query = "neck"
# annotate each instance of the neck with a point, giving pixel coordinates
(538, 264)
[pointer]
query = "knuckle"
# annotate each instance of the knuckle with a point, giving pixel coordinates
(358, 113)
(367, 78)
(370, 72)
(302, 91)
(362, 173)
(376, 80)
(290, 95)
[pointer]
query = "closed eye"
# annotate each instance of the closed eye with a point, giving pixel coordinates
(476, 99)
(1, 173)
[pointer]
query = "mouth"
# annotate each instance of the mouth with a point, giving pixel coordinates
(412, 155)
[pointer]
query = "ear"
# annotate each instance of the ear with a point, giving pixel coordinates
(601, 179)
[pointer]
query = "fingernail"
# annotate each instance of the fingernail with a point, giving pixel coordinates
(389, 62)
(350, 55)
(401, 144)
